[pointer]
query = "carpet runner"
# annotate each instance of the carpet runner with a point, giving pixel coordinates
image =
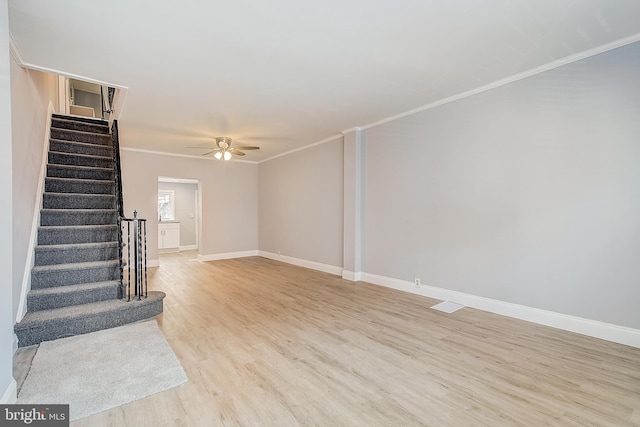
(75, 278)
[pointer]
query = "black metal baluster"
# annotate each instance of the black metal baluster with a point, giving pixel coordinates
(139, 237)
(117, 176)
(135, 253)
(120, 261)
(146, 283)
(137, 260)
(128, 260)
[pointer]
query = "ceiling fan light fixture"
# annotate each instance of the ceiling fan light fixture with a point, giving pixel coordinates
(223, 142)
(224, 151)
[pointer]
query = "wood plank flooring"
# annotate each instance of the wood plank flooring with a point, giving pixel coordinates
(269, 344)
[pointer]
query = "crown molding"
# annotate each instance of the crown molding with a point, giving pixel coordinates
(351, 130)
(189, 156)
(532, 72)
(14, 51)
(286, 153)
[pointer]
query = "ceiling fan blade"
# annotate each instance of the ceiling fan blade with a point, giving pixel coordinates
(209, 152)
(236, 153)
(201, 148)
(246, 147)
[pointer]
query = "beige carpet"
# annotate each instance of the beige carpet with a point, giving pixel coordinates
(101, 370)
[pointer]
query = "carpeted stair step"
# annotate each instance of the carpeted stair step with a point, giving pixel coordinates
(78, 252)
(46, 325)
(73, 185)
(65, 296)
(84, 119)
(76, 123)
(80, 136)
(80, 148)
(62, 217)
(78, 201)
(78, 118)
(56, 158)
(63, 235)
(48, 276)
(80, 172)
(75, 280)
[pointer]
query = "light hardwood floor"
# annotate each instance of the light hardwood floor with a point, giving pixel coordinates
(269, 344)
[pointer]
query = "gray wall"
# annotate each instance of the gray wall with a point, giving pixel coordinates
(185, 209)
(301, 204)
(527, 193)
(88, 99)
(229, 198)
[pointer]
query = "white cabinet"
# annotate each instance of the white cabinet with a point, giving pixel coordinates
(169, 235)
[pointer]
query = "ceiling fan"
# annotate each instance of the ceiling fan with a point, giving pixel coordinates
(225, 151)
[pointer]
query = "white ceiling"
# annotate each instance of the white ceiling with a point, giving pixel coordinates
(284, 74)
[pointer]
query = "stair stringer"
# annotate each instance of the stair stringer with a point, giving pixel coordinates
(33, 237)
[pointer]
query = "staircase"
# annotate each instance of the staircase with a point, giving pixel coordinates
(75, 281)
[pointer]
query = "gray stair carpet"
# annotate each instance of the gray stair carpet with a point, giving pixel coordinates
(75, 281)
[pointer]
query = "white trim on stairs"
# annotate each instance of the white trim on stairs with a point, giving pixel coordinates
(10, 395)
(33, 238)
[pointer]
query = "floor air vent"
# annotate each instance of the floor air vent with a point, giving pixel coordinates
(447, 306)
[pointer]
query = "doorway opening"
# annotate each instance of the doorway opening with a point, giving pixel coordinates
(179, 213)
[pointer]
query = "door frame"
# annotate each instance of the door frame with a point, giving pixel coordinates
(198, 202)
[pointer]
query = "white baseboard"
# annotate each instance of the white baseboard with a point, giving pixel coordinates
(169, 250)
(228, 255)
(188, 248)
(593, 328)
(10, 395)
(326, 268)
(352, 276)
(153, 263)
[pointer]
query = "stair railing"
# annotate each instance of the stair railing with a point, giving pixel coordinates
(135, 259)
(106, 99)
